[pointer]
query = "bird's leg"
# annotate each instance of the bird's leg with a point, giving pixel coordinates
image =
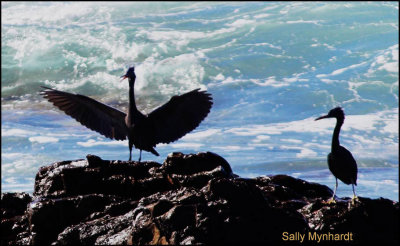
(355, 197)
(130, 150)
(140, 156)
(332, 200)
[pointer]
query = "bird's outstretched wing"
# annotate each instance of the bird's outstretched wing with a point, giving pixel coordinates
(180, 115)
(96, 116)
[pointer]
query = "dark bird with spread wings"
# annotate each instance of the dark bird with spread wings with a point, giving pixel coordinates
(167, 123)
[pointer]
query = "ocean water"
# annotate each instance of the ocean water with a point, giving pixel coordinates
(271, 67)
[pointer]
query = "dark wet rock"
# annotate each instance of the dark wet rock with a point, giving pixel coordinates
(190, 199)
(178, 163)
(369, 220)
(69, 178)
(13, 217)
(14, 204)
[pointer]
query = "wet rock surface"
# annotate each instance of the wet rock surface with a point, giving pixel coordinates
(189, 199)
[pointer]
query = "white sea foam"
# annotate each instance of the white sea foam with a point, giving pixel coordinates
(261, 138)
(270, 81)
(386, 60)
(315, 22)
(92, 143)
(241, 22)
(10, 155)
(21, 164)
(17, 187)
(42, 14)
(187, 74)
(342, 70)
(356, 132)
(296, 141)
(323, 44)
(231, 148)
(186, 145)
(261, 16)
(279, 128)
(219, 77)
(15, 132)
(265, 44)
(377, 185)
(392, 67)
(306, 153)
(195, 136)
(181, 38)
(43, 139)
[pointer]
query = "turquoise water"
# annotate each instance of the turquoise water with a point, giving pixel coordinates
(272, 68)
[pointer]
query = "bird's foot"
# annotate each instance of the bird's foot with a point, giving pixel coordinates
(354, 200)
(330, 201)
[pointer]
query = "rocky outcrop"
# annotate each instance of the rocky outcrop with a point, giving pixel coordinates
(14, 226)
(189, 199)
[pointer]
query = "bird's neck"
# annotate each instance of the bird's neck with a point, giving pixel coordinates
(335, 137)
(132, 111)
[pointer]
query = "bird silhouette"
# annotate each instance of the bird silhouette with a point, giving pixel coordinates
(341, 162)
(167, 123)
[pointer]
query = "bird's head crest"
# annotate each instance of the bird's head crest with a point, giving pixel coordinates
(337, 113)
(129, 74)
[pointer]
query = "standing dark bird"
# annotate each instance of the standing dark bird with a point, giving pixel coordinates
(167, 123)
(340, 161)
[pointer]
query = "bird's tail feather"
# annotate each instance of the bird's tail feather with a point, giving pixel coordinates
(152, 150)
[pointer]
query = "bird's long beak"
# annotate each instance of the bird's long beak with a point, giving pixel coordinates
(123, 77)
(322, 117)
